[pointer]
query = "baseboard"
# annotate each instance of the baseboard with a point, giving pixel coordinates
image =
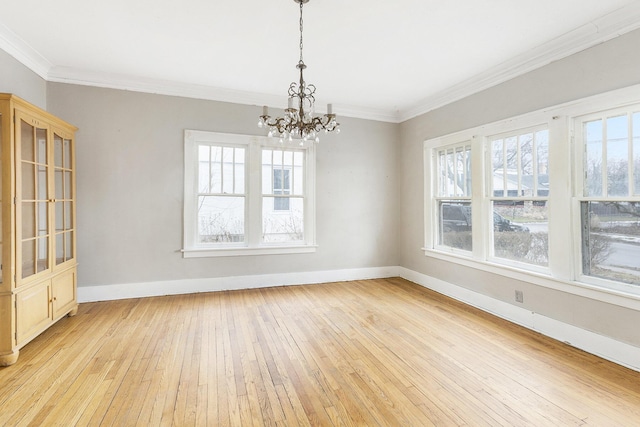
(190, 286)
(608, 348)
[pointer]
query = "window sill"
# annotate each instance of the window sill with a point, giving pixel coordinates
(244, 251)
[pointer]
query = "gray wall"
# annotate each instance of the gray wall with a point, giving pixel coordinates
(611, 65)
(17, 79)
(130, 186)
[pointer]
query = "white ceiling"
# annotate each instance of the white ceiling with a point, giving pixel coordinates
(379, 59)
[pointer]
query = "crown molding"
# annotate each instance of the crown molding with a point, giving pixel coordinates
(189, 90)
(23, 52)
(605, 28)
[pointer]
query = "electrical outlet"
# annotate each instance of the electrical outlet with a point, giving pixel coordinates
(519, 296)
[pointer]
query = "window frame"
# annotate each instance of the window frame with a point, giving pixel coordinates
(252, 244)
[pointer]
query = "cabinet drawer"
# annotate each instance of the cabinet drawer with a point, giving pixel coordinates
(33, 311)
(63, 289)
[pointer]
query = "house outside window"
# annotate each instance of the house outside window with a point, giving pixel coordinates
(281, 187)
(247, 195)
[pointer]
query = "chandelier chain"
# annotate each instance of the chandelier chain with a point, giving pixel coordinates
(301, 28)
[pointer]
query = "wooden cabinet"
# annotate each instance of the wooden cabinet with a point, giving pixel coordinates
(37, 223)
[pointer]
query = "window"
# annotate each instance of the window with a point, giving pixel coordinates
(519, 195)
(247, 195)
(453, 197)
(610, 196)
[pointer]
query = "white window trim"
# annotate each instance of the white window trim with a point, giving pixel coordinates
(562, 274)
(253, 203)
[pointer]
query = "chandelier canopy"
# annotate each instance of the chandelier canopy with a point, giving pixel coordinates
(299, 122)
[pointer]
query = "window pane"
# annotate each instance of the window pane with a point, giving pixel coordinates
(282, 226)
(220, 219)
(499, 176)
(542, 156)
(288, 158)
(636, 154)
(521, 231)
(526, 153)
(204, 180)
(610, 237)
(267, 171)
(277, 181)
(451, 183)
(239, 171)
(228, 172)
(454, 224)
(463, 171)
(617, 156)
(511, 154)
(593, 158)
(298, 174)
(215, 170)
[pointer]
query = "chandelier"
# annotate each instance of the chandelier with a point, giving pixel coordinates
(299, 122)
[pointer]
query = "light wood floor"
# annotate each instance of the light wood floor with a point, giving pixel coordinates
(367, 353)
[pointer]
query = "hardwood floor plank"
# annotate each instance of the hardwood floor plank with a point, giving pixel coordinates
(375, 352)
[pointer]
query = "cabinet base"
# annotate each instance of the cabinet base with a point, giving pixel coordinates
(73, 312)
(9, 359)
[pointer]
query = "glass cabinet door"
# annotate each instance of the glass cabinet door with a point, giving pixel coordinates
(63, 200)
(32, 149)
